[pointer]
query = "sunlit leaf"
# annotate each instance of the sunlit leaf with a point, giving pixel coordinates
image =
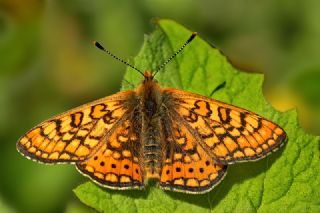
(287, 180)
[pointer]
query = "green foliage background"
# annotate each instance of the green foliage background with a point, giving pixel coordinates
(48, 65)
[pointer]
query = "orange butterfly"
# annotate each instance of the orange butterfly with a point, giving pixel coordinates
(182, 139)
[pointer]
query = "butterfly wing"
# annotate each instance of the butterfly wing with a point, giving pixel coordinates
(74, 135)
(231, 134)
(101, 137)
(186, 166)
(117, 163)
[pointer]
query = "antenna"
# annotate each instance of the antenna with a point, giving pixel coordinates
(97, 44)
(193, 35)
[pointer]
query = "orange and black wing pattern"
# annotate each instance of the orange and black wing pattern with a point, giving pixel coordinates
(229, 134)
(186, 166)
(74, 135)
(117, 164)
(101, 138)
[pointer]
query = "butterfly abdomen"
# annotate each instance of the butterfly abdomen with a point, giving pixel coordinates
(152, 150)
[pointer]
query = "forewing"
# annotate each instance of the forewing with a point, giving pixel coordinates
(230, 134)
(118, 162)
(186, 166)
(74, 135)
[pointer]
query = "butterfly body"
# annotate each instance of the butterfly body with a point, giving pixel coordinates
(150, 105)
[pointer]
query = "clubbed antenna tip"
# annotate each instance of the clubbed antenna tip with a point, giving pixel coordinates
(97, 44)
(193, 35)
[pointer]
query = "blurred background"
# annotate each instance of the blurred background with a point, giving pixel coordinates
(48, 65)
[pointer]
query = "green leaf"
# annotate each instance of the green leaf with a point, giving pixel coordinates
(288, 180)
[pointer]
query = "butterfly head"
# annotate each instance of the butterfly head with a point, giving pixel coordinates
(148, 75)
(149, 82)
(149, 85)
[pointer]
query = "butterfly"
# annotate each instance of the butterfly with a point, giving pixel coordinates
(182, 139)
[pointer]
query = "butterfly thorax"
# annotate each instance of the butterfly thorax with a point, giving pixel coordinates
(150, 94)
(150, 103)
